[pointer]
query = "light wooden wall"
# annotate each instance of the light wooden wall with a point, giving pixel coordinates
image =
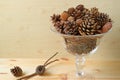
(25, 27)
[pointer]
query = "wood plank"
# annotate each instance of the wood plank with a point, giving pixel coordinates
(65, 68)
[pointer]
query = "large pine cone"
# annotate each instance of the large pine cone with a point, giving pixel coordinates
(89, 27)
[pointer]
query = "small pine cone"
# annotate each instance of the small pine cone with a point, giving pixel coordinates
(94, 11)
(70, 28)
(102, 19)
(55, 18)
(16, 71)
(59, 23)
(85, 14)
(59, 26)
(86, 11)
(78, 14)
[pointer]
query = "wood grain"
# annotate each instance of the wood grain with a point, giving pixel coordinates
(61, 70)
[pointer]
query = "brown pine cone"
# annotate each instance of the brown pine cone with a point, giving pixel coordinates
(59, 26)
(102, 19)
(16, 71)
(77, 14)
(94, 11)
(85, 14)
(70, 28)
(55, 18)
(89, 27)
(80, 21)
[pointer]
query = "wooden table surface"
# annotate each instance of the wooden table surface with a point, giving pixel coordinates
(26, 39)
(64, 69)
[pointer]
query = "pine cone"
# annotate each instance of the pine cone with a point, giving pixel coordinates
(55, 18)
(70, 28)
(16, 71)
(80, 21)
(89, 27)
(85, 14)
(77, 12)
(59, 26)
(102, 19)
(94, 11)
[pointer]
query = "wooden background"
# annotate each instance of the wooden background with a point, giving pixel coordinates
(25, 33)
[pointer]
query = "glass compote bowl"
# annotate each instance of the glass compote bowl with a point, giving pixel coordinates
(80, 46)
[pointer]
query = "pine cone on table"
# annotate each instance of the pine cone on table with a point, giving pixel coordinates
(16, 71)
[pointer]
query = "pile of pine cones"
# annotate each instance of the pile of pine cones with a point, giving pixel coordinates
(80, 21)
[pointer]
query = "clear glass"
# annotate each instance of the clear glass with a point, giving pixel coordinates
(80, 46)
